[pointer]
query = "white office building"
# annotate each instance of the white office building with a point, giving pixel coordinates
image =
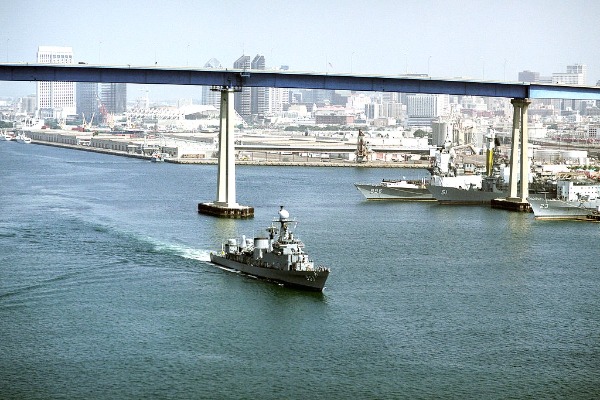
(576, 75)
(423, 109)
(55, 99)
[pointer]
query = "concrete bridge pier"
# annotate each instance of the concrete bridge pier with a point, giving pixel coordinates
(226, 206)
(517, 200)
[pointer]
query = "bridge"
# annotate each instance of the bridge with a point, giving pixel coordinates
(228, 81)
(285, 79)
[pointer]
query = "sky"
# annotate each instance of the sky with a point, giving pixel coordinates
(475, 39)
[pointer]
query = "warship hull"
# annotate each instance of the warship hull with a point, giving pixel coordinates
(562, 209)
(452, 195)
(382, 192)
(305, 280)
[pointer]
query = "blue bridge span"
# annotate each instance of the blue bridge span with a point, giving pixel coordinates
(284, 79)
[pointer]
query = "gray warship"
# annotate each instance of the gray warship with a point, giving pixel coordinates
(280, 259)
(406, 190)
(447, 187)
(577, 198)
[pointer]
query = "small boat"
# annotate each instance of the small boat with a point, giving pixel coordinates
(157, 157)
(280, 259)
(21, 138)
(5, 136)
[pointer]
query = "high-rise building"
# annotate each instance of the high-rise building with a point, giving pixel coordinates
(576, 75)
(211, 97)
(243, 98)
(422, 109)
(55, 99)
(258, 100)
(277, 100)
(578, 69)
(529, 76)
(87, 100)
(114, 97)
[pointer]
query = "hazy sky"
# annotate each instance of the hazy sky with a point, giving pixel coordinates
(488, 39)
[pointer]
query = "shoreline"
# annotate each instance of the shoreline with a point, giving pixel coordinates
(214, 161)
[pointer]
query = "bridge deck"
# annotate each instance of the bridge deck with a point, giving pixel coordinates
(307, 80)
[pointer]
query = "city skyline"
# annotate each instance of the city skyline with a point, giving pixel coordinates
(489, 41)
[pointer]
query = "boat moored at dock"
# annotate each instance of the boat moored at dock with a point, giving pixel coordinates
(22, 138)
(6, 136)
(563, 209)
(448, 187)
(484, 193)
(577, 198)
(279, 259)
(158, 157)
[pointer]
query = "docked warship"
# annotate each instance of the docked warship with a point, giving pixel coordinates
(577, 198)
(407, 190)
(279, 259)
(449, 188)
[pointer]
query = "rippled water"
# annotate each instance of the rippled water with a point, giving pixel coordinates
(106, 292)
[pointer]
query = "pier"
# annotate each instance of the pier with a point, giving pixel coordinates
(225, 205)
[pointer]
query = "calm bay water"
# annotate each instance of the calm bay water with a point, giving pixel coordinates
(106, 292)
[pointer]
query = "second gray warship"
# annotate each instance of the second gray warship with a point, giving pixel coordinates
(280, 259)
(407, 190)
(577, 198)
(448, 188)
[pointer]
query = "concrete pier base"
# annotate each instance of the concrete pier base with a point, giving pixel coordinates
(511, 205)
(224, 211)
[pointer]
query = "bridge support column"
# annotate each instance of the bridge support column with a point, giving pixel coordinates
(225, 204)
(517, 200)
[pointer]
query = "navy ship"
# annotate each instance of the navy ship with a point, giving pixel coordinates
(279, 259)
(449, 188)
(404, 190)
(488, 189)
(577, 198)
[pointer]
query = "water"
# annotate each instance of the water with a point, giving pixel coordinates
(106, 292)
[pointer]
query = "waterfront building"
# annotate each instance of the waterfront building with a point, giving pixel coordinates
(55, 99)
